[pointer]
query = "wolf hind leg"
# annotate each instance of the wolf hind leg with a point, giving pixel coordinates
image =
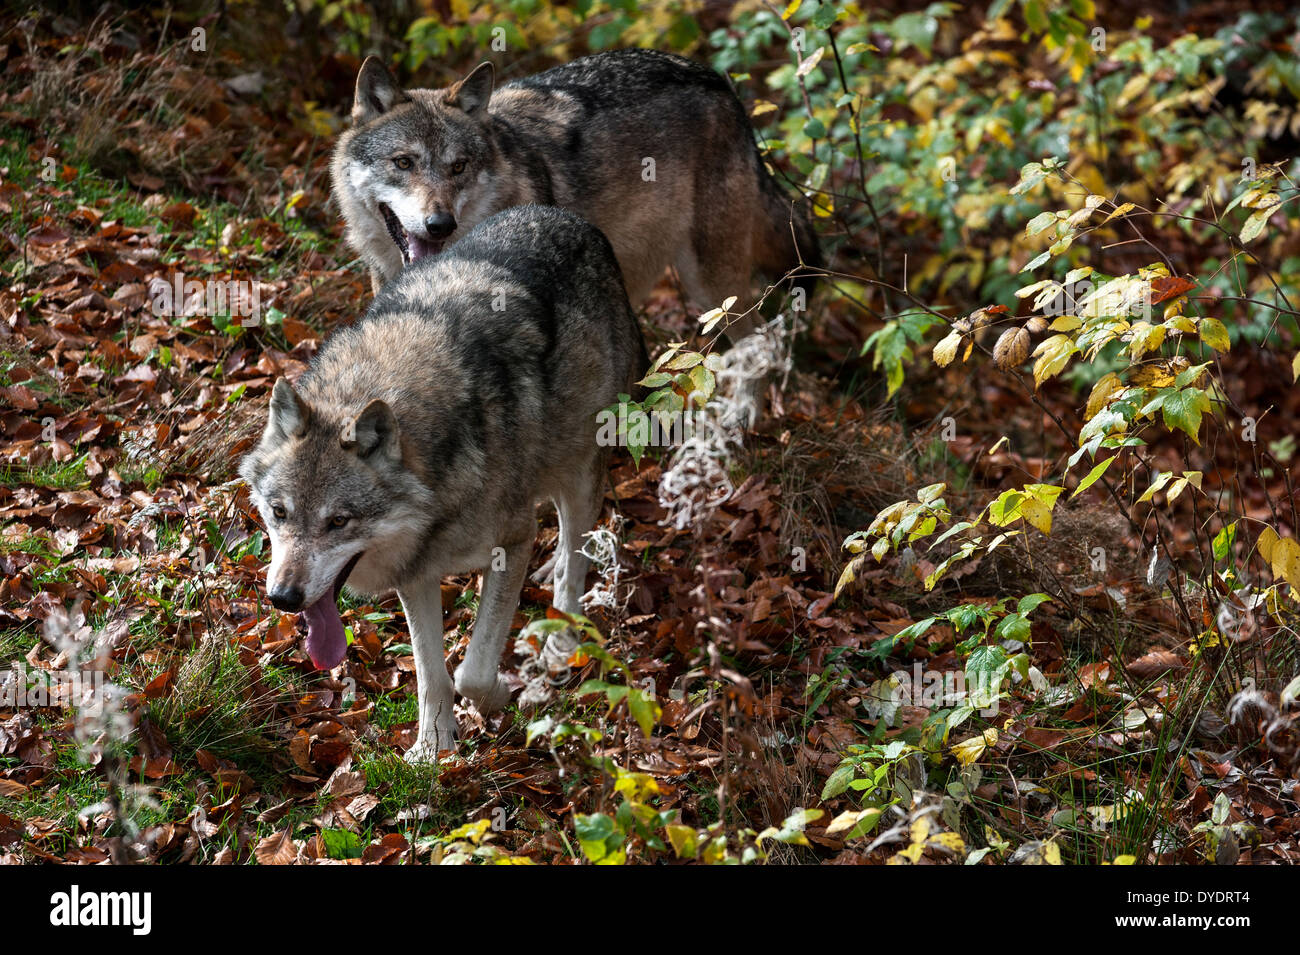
(422, 605)
(578, 504)
(714, 272)
(716, 266)
(478, 677)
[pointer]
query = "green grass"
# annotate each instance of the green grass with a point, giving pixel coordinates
(56, 476)
(208, 710)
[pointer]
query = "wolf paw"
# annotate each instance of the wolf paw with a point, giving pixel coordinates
(495, 699)
(543, 575)
(425, 751)
(487, 696)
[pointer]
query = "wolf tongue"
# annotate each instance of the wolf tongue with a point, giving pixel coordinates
(422, 247)
(326, 643)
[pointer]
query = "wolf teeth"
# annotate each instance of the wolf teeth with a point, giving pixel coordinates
(396, 231)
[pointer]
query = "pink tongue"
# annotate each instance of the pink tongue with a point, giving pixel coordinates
(419, 248)
(326, 643)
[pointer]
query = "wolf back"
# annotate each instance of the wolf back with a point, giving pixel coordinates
(652, 148)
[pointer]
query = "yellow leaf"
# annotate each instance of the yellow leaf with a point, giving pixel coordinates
(810, 64)
(1267, 538)
(1102, 391)
(1161, 480)
(1154, 376)
(1053, 354)
(1037, 513)
(967, 751)
(850, 574)
(849, 820)
(970, 750)
(1214, 334)
(949, 840)
(1119, 210)
(946, 350)
(1286, 560)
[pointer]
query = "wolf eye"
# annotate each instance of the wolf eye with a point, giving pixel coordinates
(339, 520)
(458, 167)
(402, 162)
(278, 512)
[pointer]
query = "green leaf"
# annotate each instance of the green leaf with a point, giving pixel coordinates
(703, 383)
(928, 493)
(853, 824)
(1222, 808)
(594, 832)
(1255, 224)
(1030, 602)
(838, 781)
(1014, 626)
(684, 840)
(1214, 334)
(1223, 541)
(826, 15)
(1093, 477)
(342, 843)
(1183, 410)
(1036, 261)
(985, 671)
(1040, 222)
(644, 710)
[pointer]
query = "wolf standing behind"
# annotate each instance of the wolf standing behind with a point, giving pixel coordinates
(421, 438)
(653, 149)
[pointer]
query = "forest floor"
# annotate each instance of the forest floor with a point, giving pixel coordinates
(124, 530)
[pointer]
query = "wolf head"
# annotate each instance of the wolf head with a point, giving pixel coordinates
(331, 488)
(419, 160)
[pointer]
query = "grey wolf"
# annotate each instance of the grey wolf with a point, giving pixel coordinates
(653, 149)
(421, 438)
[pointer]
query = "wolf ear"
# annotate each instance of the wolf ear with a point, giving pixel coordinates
(473, 92)
(374, 430)
(377, 92)
(289, 413)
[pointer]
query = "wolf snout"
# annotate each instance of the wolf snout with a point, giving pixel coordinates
(288, 599)
(439, 225)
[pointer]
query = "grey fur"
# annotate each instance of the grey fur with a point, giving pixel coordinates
(577, 136)
(466, 394)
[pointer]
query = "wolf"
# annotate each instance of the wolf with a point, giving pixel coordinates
(651, 148)
(420, 440)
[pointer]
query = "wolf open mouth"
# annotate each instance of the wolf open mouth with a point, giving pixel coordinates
(412, 247)
(326, 643)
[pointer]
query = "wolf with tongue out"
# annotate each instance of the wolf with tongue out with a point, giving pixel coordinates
(421, 438)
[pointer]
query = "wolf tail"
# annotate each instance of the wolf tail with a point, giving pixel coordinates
(785, 242)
